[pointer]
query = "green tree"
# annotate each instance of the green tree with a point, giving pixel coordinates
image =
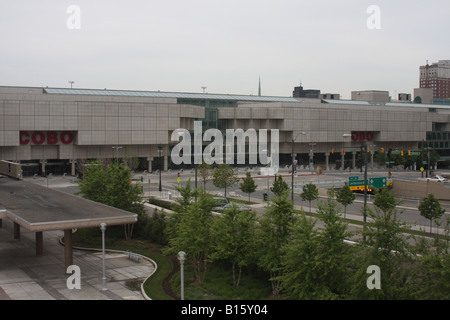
(334, 256)
(224, 177)
(310, 193)
(387, 246)
(234, 235)
(432, 276)
(113, 186)
(272, 235)
(317, 261)
(279, 186)
(345, 196)
(187, 195)
(92, 186)
(298, 262)
(204, 171)
(430, 208)
(190, 231)
(248, 185)
(380, 158)
(385, 200)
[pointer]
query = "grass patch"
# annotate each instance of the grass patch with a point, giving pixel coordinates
(218, 284)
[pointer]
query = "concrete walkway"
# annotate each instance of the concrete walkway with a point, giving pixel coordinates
(25, 276)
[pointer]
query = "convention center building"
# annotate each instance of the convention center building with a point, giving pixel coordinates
(55, 130)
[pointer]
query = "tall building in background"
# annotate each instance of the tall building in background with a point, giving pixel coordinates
(437, 77)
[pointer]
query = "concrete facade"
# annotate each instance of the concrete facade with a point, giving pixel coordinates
(41, 125)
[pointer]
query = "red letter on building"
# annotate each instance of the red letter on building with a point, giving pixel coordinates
(38, 137)
(52, 137)
(66, 137)
(24, 138)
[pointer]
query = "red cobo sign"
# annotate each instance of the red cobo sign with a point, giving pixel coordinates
(362, 136)
(49, 137)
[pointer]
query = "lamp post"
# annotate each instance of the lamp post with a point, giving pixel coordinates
(159, 153)
(181, 134)
(363, 149)
(311, 157)
(268, 176)
(117, 152)
(292, 166)
(103, 229)
(181, 257)
(365, 187)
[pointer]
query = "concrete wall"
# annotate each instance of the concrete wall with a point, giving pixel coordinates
(420, 189)
(10, 169)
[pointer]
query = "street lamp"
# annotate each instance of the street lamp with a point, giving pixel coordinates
(159, 153)
(268, 176)
(292, 167)
(365, 187)
(181, 134)
(117, 152)
(311, 157)
(103, 229)
(181, 257)
(363, 149)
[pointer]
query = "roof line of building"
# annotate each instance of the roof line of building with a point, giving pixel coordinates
(160, 94)
(387, 104)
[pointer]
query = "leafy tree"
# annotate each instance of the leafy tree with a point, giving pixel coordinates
(92, 186)
(388, 248)
(279, 186)
(385, 200)
(317, 262)
(334, 252)
(380, 158)
(187, 195)
(224, 177)
(248, 185)
(298, 261)
(190, 231)
(234, 235)
(310, 193)
(272, 235)
(430, 208)
(432, 276)
(345, 196)
(204, 171)
(112, 186)
(155, 227)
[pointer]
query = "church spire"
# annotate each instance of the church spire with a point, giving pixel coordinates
(259, 88)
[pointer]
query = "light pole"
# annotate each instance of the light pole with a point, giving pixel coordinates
(268, 176)
(181, 134)
(159, 153)
(103, 229)
(311, 157)
(363, 149)
(365, 187)
(117, 152)
(292, 166)
(181, 257)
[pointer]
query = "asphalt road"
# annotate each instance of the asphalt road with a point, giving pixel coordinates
(410, 213)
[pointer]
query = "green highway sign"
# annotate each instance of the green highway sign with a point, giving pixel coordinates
(378, 182)
(355, 183)
(371, 182)
(415, 153)
(353, 178)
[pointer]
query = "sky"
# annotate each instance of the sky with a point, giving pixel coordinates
(337, 46)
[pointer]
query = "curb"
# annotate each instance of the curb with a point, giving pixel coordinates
(146, 297)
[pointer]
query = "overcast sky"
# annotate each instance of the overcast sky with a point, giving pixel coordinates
(224, 45)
